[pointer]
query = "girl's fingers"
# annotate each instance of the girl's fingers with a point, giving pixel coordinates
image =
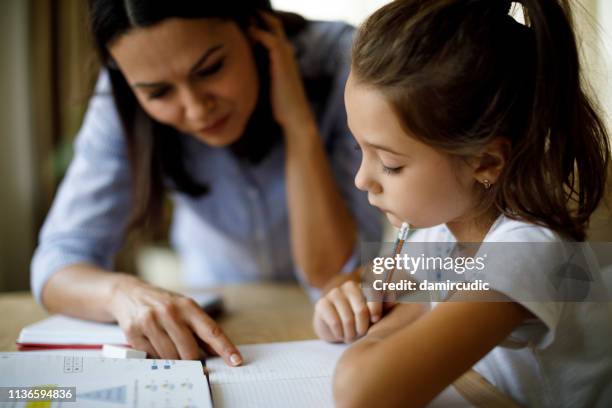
(376, 309)
(323, 331)
(388, 306)
(180, 334)
(346, 313)
(209, 331)
(360, 310)
(326, 311)
(158, 337)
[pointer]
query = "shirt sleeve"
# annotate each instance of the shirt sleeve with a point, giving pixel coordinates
(87, 219)
(519, 264)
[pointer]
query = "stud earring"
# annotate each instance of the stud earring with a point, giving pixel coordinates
(486, 183)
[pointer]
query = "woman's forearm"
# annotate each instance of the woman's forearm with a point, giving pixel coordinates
(83, 291)
(323, 232)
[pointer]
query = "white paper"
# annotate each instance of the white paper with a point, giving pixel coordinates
(64, 330)
(292, 374)
(68, 330)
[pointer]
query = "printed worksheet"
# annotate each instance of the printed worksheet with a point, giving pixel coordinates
(107, 382)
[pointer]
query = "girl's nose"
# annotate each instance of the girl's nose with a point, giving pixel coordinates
(364, 182)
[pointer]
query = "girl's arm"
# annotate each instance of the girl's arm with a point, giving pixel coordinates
(405, 359)
(323, 232)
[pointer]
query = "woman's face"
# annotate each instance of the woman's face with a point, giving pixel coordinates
(196, 75)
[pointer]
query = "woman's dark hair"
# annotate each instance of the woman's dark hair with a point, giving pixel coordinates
(462, 72)
(154, 149)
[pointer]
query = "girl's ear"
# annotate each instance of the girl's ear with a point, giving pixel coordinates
(490, 162)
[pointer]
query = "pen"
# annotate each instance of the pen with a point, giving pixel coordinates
(402, 235)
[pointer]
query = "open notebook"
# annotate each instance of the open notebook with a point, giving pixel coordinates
(293, 374)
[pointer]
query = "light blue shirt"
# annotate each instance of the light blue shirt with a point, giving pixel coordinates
(239, 231)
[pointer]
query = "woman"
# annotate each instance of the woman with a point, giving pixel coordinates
(207, 103)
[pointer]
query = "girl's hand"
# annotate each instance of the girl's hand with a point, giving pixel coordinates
(289, 103)
(343, 315)
(167, 325)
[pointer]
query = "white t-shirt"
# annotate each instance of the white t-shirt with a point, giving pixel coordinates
(563, 358)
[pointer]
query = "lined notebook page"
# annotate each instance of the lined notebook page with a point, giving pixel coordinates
(296, 374)
(293, 374)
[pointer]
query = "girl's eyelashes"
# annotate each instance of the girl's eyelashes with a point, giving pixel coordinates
(386, 169)
(392, 170)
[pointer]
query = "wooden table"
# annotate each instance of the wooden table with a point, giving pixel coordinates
(255, 313)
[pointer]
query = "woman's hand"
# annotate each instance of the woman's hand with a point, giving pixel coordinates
(343, 315)
(289, 103)
(167, 325)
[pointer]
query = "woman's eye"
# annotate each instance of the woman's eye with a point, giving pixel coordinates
(391, 170)
(208, 71)
(158, 93)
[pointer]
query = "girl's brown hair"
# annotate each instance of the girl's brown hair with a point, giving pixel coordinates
(462, 72)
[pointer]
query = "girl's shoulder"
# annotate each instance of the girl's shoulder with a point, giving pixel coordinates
(437, 233)
(506, 229)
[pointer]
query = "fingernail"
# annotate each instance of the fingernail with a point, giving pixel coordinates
(235, 359)
(375, 318)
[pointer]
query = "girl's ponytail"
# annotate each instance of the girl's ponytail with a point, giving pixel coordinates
(557, 173)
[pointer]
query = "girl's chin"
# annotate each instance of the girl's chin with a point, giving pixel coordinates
(396, 222)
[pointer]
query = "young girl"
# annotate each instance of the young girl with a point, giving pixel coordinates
(474, 128)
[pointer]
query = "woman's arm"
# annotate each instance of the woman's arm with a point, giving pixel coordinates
(83, 291)
(160, 322)
(323, 232)
(86, 226)
(409, 360)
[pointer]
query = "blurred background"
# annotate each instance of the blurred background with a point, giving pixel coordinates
(47, 71)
